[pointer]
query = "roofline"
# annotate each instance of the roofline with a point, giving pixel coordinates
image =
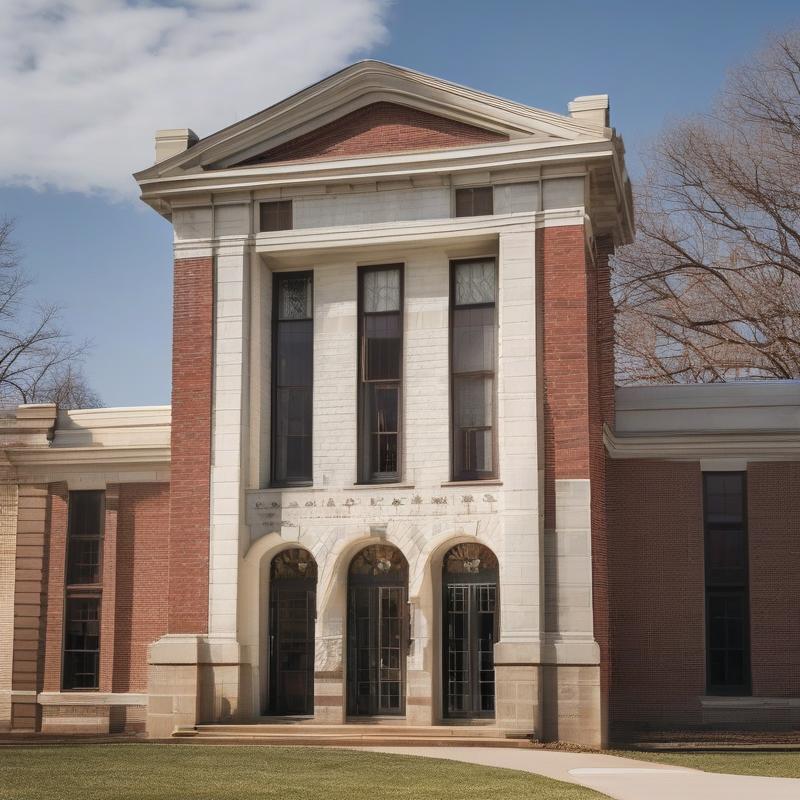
(364, 66)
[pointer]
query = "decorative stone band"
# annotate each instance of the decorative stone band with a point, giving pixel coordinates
(91, 699)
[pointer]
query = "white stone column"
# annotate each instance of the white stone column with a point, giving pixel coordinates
(518, 652)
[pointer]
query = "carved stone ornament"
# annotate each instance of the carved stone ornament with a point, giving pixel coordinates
(293, 563)
(469, 558)
(379, 560)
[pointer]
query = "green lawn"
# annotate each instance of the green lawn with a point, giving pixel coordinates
(771, 764)
(195, 772)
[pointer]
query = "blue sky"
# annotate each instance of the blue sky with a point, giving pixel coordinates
(106, 258)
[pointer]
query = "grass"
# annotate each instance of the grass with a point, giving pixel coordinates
(766, 763)
(187, 772)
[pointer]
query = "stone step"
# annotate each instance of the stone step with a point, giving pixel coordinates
(356, 729)
(356, 740)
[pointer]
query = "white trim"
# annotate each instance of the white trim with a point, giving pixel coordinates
(91, 699)
(371, 168)
(424, 231)
(749, 446)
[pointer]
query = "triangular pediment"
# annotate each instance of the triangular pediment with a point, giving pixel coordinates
(380, 127)
(367, 109)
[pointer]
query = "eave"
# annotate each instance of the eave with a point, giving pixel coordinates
(749, 446)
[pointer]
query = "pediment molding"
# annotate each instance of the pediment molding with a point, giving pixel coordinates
(354, 87)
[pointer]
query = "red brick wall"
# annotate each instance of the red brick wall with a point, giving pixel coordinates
(656, 594)
(379, 128)
(192, 378)
(560, 252)
(773, 499)
(140, 613)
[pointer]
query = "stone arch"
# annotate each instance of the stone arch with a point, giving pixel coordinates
(253, 610)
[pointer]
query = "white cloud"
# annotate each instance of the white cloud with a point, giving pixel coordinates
(86, 83)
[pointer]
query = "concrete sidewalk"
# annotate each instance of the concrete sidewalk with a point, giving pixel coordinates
(621, 778)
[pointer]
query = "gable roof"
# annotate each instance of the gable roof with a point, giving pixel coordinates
(364, 84)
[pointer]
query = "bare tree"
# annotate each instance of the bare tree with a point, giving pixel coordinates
(710, 289)
(38, 362)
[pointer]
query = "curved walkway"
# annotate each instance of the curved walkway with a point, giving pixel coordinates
(621, 778)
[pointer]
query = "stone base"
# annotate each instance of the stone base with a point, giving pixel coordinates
(172, 684)
(573, 707)
(70, 719)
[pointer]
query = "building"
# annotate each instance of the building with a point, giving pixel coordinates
(396, 480)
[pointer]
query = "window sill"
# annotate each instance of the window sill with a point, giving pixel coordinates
(739, 701)
(383, 486)
(483, 482)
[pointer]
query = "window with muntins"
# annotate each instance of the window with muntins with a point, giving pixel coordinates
(276, 215)
(473, 347)
(727, 584)
(292, 378)
(380, 320)
(475, 201)
(83, 590)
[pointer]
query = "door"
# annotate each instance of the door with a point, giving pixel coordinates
(470, 630)
(377, 632)
(293, 584)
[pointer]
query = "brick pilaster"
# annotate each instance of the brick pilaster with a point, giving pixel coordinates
(192, 384)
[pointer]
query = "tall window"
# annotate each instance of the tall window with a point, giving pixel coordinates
(380, 320)
(473, 348)
(474, 201)
(292, 378)
(727, 585)
(83, 591)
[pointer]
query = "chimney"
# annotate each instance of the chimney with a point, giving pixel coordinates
(172, 141)
(591, 108)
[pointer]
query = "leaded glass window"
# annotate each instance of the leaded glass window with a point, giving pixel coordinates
(473, 337)
(475, 282)
(380, 372)
(292, 371)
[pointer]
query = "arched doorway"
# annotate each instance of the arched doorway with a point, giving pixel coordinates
(469, 602)
(292, 601)
(377, 632)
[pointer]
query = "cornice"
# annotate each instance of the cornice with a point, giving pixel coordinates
(751, 445)
(87, 456)
(370, 168)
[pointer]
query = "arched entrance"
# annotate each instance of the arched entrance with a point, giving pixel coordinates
(470, 607)
(292, 602)
(377, 632)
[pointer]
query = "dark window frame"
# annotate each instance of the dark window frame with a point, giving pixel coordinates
(463, 475)
(276, 279)
(469, 191)
(365, 475)
(284, 215)
(725, 589)
(78, 591)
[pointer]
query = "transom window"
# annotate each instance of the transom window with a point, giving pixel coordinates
(473, 338)
(475, 201)
(380, 372)
(292, 378)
